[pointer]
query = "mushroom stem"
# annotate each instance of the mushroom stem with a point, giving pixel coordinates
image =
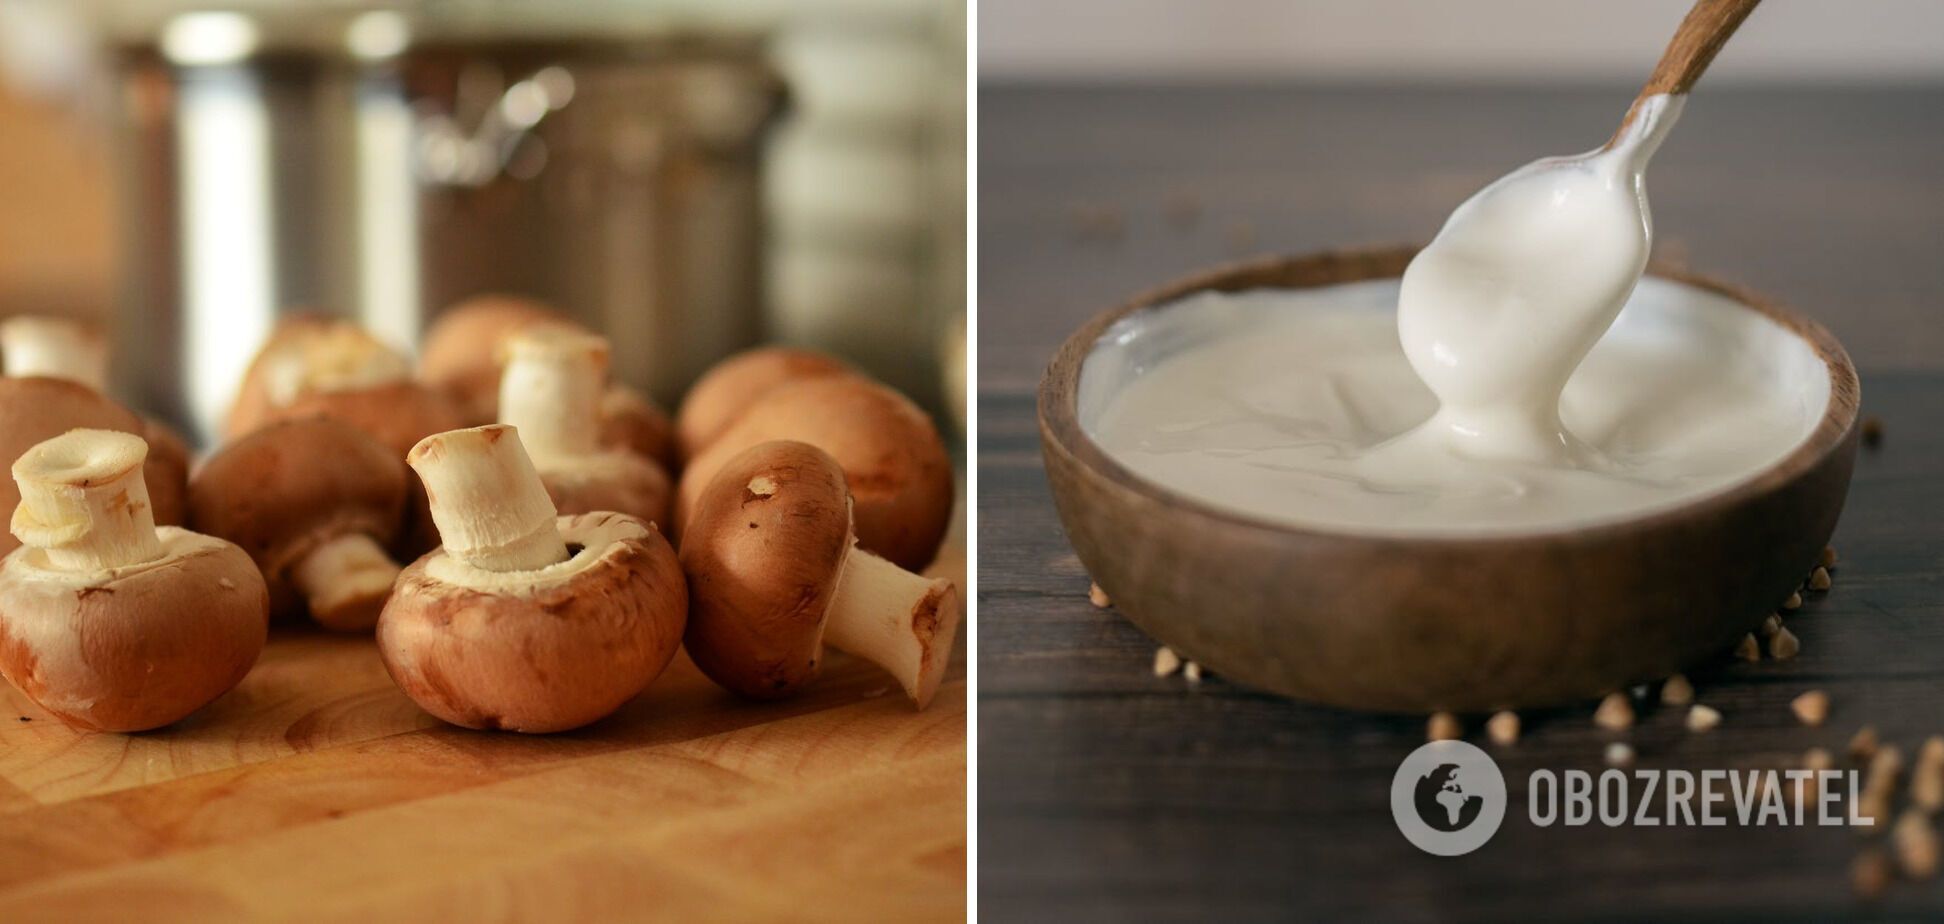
(57, 348)
(900, 621)
(551, 390)
(344, 579)
(83, 501)
(487, 501)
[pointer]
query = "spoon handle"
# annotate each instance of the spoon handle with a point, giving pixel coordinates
(1694, 46)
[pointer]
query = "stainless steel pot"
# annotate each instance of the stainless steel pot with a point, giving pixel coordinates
(368, 165)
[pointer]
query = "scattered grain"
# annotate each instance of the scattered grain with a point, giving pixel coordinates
(1619, 754)
(1870, 873)
(1873, 431)
(1443, 727)
(1864, 745)
(1915, 842)
(1927, 778)
(1192, 672)
(1817, 759)
(1819, 578)
(1103, 222)
(1166, 662)
(1784, 645)
(1503, 728)
(1677, 691)
(1886, 765)
(1794, 602)
(1811, 708)
(1829, 557)
(1098, 597)
(1749, 649)
(1771, 624)
(1702, 718)
(1616, 712)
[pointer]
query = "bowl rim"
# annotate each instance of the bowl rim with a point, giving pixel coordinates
(1060, 430)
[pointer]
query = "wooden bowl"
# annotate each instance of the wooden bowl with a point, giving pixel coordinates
(1417, 624)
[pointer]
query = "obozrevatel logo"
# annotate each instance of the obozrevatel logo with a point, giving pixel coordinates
(1448, 798)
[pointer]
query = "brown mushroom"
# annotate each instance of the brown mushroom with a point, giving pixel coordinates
(464, 356)
(774, 574)
(396, 414)
(730, 386)
(310, 353)
(524, 620)
(314, 502)
(65, 348)
(322, 367)
(106, 620)
(899, 473)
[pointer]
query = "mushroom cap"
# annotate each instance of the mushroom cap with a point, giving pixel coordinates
(306, 341)
(539, 651)
(166, 472)
(618, 481)
(763, 555)
(396, 414)
(35, 409)
(293, 485)
(138, 648)
(461, 351)
(729, 387)
(632, 421)
(894, 461)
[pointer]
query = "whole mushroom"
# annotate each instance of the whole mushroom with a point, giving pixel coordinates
(551, 393)
(732, 385)
(315, 503)
(774, 573)
(524, 620)
(323, 367)
(107, 621)
(64, 348)
(464, 356)
(899, 473)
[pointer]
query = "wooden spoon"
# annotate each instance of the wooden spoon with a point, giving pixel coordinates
(1693, 47)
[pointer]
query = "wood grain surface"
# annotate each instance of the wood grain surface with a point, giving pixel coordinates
(1108, 794)
(317, 791)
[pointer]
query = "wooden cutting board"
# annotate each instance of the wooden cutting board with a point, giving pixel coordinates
(316, 790)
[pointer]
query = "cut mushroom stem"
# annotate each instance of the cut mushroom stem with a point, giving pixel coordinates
(893, 618)
(59, 348)
(349, 573)
(491, 509)
(84, 503)
(552, 388)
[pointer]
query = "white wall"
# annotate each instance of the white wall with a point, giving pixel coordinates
(1785, 40)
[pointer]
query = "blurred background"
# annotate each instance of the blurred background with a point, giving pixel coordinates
(689, 177)
(1500, 40)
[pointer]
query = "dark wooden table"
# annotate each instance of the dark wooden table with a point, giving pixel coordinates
(1108, 794)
